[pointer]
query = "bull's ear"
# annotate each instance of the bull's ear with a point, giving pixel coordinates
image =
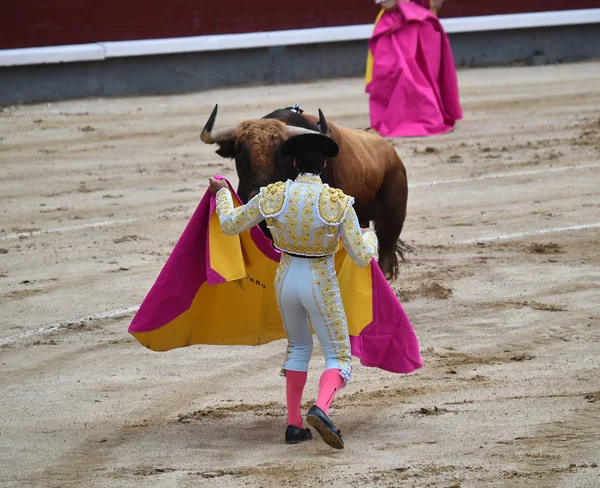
(226, 149)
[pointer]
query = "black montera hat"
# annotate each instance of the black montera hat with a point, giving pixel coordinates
(310, 143)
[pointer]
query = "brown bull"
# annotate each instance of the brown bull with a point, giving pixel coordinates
(367, 168)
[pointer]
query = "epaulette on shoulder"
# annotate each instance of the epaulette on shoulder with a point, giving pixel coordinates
(333, 205)
(272, 199)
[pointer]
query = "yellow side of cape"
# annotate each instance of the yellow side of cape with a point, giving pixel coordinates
(369, 71)
(243, 310)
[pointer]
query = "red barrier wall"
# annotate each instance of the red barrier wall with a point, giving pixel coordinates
(29, 23)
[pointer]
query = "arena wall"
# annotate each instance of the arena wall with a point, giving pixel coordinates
(130, 47)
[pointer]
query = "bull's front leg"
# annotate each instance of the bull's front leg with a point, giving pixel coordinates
(363, 216)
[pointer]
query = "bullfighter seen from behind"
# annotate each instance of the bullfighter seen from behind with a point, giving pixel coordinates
(307, 219)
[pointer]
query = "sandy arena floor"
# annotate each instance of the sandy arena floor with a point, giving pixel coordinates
(503, 291)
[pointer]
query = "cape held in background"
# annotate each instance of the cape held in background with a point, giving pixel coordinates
(218, 289)
(410, 76)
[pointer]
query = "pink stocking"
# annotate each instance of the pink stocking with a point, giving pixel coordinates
(294, 386)
(329, 384)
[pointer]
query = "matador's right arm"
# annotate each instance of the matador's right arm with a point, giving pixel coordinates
(362, 248)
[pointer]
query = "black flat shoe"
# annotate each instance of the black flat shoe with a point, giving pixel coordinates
(324, 426)
(294, 435)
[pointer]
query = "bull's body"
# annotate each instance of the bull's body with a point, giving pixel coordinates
(367, 168)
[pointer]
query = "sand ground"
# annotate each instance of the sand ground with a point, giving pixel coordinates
(503, 291)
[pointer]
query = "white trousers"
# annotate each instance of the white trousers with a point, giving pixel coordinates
(308, 293)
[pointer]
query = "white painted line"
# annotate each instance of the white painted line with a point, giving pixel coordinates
(539, 232)
(120, 312)
(105, 223)
(90, 225)
(48, 329)
(505, 175)
(147, 47)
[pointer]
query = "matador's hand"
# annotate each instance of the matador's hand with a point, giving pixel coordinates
(215, 185)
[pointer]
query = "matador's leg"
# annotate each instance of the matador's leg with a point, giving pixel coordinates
(326, 310)
(324, 305)
(300, 344)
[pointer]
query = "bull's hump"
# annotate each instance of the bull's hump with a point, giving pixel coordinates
(361, 134)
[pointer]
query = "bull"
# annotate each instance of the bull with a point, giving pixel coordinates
(367, 168)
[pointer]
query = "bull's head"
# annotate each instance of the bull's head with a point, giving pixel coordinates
(256, 147)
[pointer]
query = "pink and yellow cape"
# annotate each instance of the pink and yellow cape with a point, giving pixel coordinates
(410, 76)
(218, 289)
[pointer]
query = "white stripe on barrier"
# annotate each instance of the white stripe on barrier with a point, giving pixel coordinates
(148, 47)
(52, 54)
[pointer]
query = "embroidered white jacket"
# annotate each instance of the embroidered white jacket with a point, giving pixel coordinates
(305, 216)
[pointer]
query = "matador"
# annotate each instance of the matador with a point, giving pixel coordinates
(307, 220)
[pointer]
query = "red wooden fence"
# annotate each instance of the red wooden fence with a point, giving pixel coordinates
(29, 23)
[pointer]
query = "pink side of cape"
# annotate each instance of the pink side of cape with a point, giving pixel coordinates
(180, 278)
(414, 89)
(388, 342)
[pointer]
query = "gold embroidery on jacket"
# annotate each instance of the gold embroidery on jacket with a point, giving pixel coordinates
(295, 230)
(307, 178)
(272, 198)
(308, 217)
(311, 250)
(234, 220)
(333, 205)
(331, 308)
(282, 270)
(360, 247)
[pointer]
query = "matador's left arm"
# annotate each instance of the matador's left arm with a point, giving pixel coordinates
(237, 220)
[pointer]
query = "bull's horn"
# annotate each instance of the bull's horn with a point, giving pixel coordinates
(323, 124)
(296, 131)
(210, 137)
